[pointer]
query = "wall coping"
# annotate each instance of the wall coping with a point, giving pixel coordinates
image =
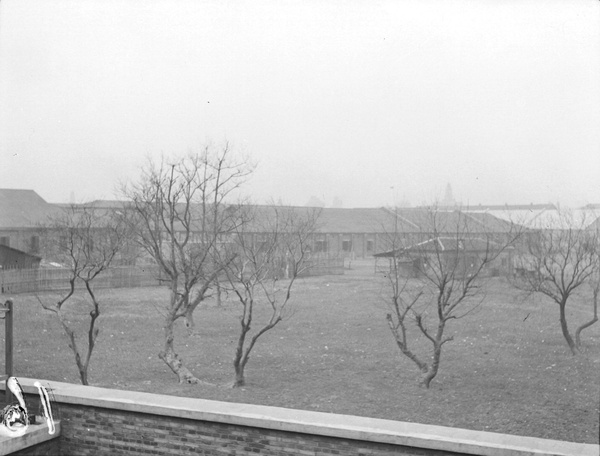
(317, 423)
(35, 434)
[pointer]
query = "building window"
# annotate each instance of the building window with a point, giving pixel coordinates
(34, 244)
(320, 246)
(346, 245)
(370, 245)
(5, 240)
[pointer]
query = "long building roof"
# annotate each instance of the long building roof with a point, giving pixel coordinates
(26, 209)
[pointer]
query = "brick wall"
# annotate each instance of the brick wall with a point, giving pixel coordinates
(97, 421)
(95, 431)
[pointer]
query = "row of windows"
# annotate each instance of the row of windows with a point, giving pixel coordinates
(347, 245)
(319, 245)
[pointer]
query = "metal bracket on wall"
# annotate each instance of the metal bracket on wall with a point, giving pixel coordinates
(5, 309)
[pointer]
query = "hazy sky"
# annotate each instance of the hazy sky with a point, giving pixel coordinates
(372, 102)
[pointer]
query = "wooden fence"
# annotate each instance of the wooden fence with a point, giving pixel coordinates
(14, 281)
(320, 266)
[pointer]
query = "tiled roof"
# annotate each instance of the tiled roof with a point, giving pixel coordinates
(23, 209)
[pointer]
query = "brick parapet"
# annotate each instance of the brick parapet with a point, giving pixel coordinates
(102, 421)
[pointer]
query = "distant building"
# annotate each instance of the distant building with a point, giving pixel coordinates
(22, 212)
(341, 232)
(541, 216)
(463, 256)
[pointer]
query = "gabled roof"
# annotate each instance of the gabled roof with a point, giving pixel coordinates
(12, 250)
(541, 216)
(595, 225)
(436, 220)
(443, 244)
(488, 223)
(418, 220)
(13, 258)
(23, 209)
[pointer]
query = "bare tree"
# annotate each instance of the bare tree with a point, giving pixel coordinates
(593, 234)
(180, 215)
(271, 251)
(439, 279)
(559, 260)
(595, 289)
(86, 241)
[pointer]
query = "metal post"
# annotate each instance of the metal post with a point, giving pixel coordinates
(8, 346)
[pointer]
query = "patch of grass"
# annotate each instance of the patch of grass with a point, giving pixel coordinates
(508, 369)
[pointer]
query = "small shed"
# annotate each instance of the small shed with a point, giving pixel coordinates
(463, 254)
(11, 258)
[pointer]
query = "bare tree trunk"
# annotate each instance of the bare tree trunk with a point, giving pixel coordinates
(84, 377)
(92, 334)
(400, 338)
(433, 370)
(73, 346)
(437, 342)
(565, 330)
(240, 379)
(191, 306)
(188, 319)
(589, 323)
(171, 358)
(92, 330)
(408, 353)
(218, 285)
(240, 359)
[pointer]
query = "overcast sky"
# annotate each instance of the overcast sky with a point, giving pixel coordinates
(370, 102)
